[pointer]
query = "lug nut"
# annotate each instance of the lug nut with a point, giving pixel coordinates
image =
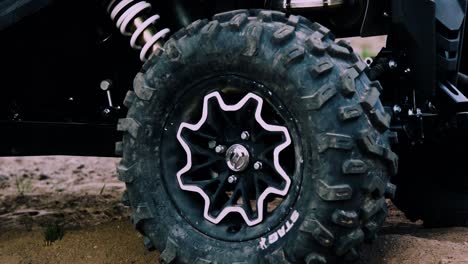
(258, 165)
(232, 179)
(245, 135)
(212, 144)
(392, 64)
(220, 149)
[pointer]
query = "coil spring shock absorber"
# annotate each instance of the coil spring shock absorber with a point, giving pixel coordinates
(132, 19)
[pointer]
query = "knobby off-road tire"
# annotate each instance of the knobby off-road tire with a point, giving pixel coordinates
(337, 123)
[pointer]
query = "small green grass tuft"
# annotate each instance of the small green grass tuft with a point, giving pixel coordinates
(53, 233)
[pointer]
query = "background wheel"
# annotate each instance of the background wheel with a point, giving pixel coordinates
(432, 182)
(321, 140)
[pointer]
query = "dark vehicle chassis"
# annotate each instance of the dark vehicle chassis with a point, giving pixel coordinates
(52, 104)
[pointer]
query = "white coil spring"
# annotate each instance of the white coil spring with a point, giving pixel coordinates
(124, 12)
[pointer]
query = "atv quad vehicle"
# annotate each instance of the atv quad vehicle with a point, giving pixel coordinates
(249, 135)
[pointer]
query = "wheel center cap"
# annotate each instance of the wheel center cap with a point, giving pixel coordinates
(237, 157)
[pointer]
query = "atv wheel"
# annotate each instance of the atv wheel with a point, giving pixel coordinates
(254, 138)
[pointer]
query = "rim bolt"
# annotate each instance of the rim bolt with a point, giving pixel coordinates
(232, 179)
(245, 135)
(220, 149)
(212, 144)
(258, 165)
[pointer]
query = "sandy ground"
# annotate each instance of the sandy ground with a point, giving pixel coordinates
(83, 195)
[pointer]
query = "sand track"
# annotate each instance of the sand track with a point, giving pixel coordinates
(83, 194)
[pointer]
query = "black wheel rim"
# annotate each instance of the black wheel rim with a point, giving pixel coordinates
(234, 185)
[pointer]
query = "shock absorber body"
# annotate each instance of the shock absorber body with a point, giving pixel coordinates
(132, 18)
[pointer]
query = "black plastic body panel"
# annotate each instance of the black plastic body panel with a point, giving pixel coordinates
(413, 32)
(450, 16)
(429, 33)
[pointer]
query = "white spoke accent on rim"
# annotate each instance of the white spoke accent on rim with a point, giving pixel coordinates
(270, 190)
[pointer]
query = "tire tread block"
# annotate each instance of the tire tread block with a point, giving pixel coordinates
(142, 91)
(338, 51)
(321, 68)
(318, 231)
(127, 173)
(334, 141)
(238, 21)
(348, 81)
(141, 213)
(354, 166)
(349, 241)
(371, 207)
(350, 112)
(345, 218)
(129, 125)
(254, 35)
(169, 254)
(283, 34)
(320, 97)
(314, 258)
(334, 192)
(315, 44)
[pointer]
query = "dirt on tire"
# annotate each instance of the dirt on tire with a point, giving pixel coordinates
(82, 195)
